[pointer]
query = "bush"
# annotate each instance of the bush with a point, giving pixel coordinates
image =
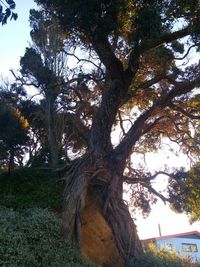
(33, 238)
(155, 257)
(31, 187)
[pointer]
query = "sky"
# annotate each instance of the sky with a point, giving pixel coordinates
(169, 221)
(14, 38)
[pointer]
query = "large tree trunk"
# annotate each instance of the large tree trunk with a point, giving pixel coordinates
(98, 241)
(109, 237)
(96, 215)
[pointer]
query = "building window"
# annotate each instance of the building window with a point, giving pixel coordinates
(186, 247)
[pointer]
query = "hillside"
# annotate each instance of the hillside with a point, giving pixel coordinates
(31, 226)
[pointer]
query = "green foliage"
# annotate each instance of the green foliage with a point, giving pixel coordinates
(13, 134)
(148, 23)
(185, 193)
(34, 238)
(31, 187)
(15, 127)
(155, 257)
(32, 64)
(43, 64)
(46, 33)
(139, 20)
(88, 15)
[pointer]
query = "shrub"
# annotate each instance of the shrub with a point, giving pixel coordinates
(31, 187)
(32, 238)
(155, 257)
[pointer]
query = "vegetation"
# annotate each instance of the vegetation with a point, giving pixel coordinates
(160, 258)
(133, 77)
(186, 194)
(31, 234)
(6, 11)
(13, 134)
(33, 238)
(31, 188)
(43, 64)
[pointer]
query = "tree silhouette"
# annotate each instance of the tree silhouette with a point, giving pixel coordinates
(42, 64)
(6, 11)
(13, 134)
(134, 47)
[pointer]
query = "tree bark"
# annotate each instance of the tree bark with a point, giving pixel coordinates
(11, 161)
(53, 146)
(93, 194)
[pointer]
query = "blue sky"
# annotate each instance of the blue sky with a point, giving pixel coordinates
(14, 38)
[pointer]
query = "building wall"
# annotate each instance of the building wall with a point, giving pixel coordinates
(182, 246)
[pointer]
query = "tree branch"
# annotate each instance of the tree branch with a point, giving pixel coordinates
(79, 126)
(145, 182)
(107, 56)
(115, 89)
(147, 178)
(121, 123)
(157, 79)
(152, 81)
(139, 128)
(184, 112)
(152, 190)
(186, 54)
(165, 38)
(84, 60)
(138, 50)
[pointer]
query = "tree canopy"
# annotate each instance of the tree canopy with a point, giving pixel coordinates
(136, 75)
(14, 133)
(146, 85)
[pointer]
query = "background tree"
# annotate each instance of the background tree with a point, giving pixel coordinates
(13, 133)
(38, 151)
(137, 44)
(184, 190)
(43, 65)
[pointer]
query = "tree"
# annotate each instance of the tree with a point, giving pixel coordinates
(15, 96)
(137, 44)
(13, 134)
(9, 6)
(43, 65)
(184, 190)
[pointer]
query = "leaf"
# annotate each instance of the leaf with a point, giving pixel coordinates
(1, 17)
(14, 16)
(7, 13)
(11, 4)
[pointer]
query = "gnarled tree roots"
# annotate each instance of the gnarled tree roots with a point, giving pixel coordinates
(96, 216)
